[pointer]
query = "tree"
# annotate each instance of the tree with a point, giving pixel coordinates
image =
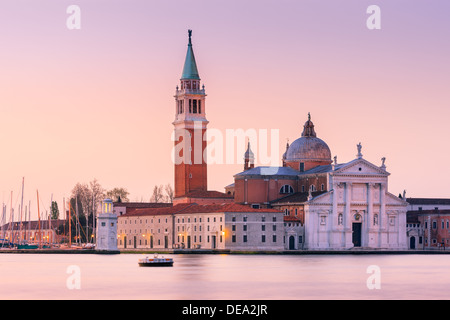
(117, 194)
(162, 194)
(55, 210)
(89, 198)
(169, 193)
(157, 195)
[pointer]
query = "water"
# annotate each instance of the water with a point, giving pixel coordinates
(229, 277)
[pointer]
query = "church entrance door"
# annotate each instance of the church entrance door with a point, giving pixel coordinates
(356, 238)
(291, 243)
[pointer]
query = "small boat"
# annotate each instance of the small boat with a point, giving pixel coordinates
(156, 261)
(27, 246)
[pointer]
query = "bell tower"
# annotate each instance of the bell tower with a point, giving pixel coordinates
(190, 128)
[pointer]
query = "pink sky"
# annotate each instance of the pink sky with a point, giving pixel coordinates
(98, 102)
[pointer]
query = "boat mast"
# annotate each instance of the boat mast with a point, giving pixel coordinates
(70, 225)
(29, 219)
(21, 210)
(11, 218)
(39, 219)
(3, 223)
(50, 233)
(77, 221)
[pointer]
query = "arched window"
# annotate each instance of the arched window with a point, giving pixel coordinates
(286, 189)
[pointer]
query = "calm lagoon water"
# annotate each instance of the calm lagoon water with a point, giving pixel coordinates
(229, 277)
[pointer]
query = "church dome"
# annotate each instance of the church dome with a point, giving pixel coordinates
(308, 147)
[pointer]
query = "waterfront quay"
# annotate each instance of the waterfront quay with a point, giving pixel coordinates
(357, 251)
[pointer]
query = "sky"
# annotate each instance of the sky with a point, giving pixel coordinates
(97, 102)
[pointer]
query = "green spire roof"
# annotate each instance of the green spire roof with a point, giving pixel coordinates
(190, 67)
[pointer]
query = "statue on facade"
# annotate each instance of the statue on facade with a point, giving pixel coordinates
(359, 147)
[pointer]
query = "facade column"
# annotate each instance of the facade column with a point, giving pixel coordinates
(309, 228)
(370, 216)
(333, 240)
(383, 219)
(347, 216)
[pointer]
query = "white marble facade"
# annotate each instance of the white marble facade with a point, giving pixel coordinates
(358, 211)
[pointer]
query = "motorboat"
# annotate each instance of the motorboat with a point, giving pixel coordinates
(156, 261)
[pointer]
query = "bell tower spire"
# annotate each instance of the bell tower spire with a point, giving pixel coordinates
(190, 127)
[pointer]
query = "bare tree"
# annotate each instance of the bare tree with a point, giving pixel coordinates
(90, 196)
(169, 193)
(158, 195)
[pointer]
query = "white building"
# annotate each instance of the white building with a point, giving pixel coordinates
(107, 228)
(193, 226)
(358, 211)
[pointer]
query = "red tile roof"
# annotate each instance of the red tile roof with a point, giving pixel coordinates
(189, 208)
(207, 194)
(129, 205)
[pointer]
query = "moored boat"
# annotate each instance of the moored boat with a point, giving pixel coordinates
(156, 261)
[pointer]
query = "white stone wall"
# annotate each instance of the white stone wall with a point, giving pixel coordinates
(255, 231)
(106, 232)
(358, 196)
(145, 232)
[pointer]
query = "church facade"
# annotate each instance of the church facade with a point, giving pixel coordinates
(339, 205)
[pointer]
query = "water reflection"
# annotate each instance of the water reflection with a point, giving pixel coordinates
(226, 277)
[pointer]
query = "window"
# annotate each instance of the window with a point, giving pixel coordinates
(322, 187)
(274, 238)
(244, 227)
(274, 227)
(286, 189)
(199, 106)
(245, 238)
(255, 206)
(190, 106)
(263, 227)
(233, 238)
(434, 225)
(263, 238)
(233, 227)
(302, 167)
(303, 188)
(274, 219)
(194, 106)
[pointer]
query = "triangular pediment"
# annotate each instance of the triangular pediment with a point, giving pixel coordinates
(324, 198)
(392, 200)
(361, 167)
